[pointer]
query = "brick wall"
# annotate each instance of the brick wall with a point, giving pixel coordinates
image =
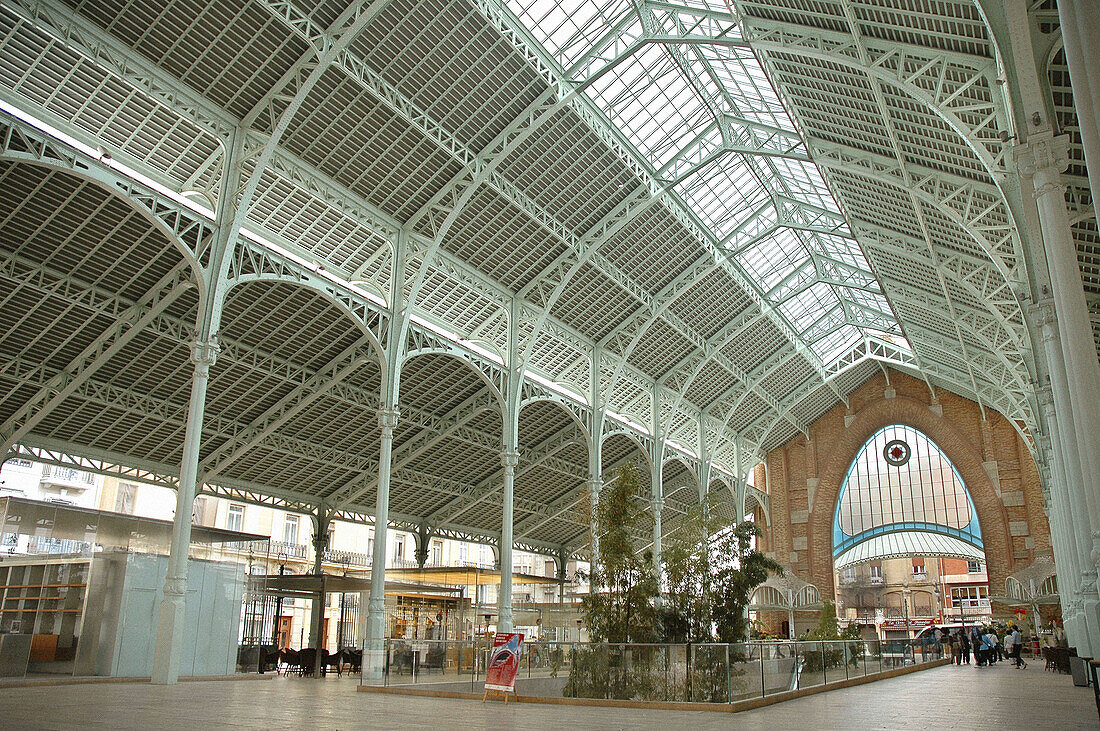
(804, 476)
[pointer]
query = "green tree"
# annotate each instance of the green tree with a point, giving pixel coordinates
(711, 570)
(738, 569)
(686, 612)
(620, 606)
(828, 629)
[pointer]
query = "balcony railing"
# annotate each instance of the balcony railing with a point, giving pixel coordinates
(347, 558)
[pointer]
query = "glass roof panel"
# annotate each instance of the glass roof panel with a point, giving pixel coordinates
(773, 257)
(809, 305)
(725, 193)
(569, 29)
(666, 100)
(836, 343)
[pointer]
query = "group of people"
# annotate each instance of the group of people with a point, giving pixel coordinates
(988, 645)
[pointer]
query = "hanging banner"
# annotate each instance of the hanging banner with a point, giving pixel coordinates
(504, 662)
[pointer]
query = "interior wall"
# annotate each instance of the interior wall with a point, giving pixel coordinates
(804, 476)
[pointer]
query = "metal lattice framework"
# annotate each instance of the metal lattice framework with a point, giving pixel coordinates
(673, 233)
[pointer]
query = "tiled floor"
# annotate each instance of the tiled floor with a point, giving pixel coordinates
(947, 697)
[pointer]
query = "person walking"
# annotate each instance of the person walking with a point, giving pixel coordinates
(964, 646)
(956, 648)
(1017, 645)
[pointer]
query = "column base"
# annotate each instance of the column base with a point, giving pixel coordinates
(1077, 633)
(170, 630)
(374, 660)
(1090, 619)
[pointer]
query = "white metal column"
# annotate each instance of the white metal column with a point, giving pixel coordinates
(374, 644)
(1063, 540)
(1042, 159)
(170, 623)
(1068, 494)
(1080, 28)
(504, 603)
(317, 611)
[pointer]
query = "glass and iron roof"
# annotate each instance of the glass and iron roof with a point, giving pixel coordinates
(730, 216)
(671, 102)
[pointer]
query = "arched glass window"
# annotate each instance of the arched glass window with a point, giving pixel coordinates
(903, 496)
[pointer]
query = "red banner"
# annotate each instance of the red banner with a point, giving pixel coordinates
(504, 662)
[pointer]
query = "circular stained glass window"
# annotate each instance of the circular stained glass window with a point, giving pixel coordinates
(896, 452)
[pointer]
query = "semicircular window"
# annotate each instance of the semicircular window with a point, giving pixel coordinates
(903, 496)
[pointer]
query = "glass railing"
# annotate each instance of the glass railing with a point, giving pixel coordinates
(703, 673)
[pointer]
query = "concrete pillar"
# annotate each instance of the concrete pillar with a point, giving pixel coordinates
(374, 648)
(509, 460)
(317, 611)
(170, 622)
(1042, 159)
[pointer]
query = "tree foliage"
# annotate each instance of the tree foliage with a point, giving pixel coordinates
(621, 606)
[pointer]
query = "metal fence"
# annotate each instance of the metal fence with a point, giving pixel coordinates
(705, 673)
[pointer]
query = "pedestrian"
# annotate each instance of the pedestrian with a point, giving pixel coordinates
(1017, 645)
(964, 643)
(1007, 641)
(977, 642)
(990, 645)
(956, 648)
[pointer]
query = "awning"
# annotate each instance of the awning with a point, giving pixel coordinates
(908, 543)
(463, 576)
(310, 584)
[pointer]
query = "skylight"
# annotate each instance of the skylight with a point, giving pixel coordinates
(672, 99)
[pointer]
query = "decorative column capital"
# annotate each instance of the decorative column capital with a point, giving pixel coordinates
(509, 459)
(204, 353)
(175, 586)
(1042, 153)
(387, 419)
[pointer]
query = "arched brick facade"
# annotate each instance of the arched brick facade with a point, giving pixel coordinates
(804, 476)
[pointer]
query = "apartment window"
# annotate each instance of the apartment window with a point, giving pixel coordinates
(370, 543)
(876, 571)
(849, 573)
(398, 549)
(290, 530)
(437, 553)
(973, 567)
(463, 555)
(125, 498)
(918, 568)
(236, 518)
